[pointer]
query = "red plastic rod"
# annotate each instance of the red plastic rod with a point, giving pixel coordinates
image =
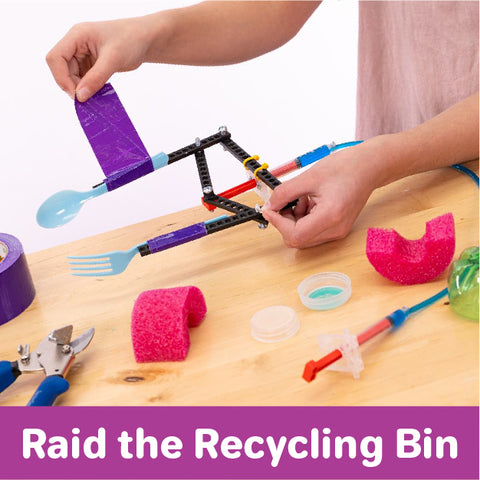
(312, 368)
(249, 184)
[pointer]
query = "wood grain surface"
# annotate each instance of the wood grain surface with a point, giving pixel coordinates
(431, 360)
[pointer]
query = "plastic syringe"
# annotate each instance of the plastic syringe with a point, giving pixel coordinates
(288, 167)
(394, 320)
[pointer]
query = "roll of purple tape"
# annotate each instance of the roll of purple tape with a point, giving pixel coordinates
(16, 287)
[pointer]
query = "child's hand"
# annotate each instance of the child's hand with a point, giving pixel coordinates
(331, 195)
(84, 60)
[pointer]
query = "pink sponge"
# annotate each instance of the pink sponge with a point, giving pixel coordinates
(160, 321)
(413, 261)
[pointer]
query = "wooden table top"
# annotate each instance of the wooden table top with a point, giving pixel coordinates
(431, 360)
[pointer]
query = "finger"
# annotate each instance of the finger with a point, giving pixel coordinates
(290, 190)
(95, 78)
(294, 235)
(58, 61)
(74, 69)
(311, 230)
(284, 223)
(301, 208)
(85, 64)
(318, 228)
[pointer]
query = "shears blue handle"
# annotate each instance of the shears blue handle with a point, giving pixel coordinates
(6, 375)
(46, 393)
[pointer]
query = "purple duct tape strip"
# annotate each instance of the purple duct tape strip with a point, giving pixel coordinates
(128, 175)
(16, 286)
(112, 136)
(177, 237)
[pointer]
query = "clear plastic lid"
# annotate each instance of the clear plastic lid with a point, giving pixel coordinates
(324, 291)
(274, 324)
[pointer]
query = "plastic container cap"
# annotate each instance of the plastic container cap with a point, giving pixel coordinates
(274, 324)
(324, 291)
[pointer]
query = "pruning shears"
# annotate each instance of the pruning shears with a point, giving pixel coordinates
(54, 356)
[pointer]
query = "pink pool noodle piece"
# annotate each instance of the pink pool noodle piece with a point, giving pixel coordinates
(410, 262)
(160, 322)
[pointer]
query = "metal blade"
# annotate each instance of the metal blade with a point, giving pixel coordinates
(61, 336)
(82, 342)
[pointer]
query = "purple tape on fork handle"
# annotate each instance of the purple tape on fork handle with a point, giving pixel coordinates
(177, 237)
(113, 138)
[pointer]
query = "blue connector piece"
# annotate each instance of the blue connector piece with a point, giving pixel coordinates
(398, 317)
(313, 156)
(321, 152)
(160, 160)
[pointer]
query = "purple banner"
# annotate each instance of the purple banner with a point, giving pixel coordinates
(239, 442)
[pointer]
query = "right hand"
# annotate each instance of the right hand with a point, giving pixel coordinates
(90, 53)
(330, 195)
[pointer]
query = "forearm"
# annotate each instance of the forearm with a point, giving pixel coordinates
(220, 33)
(450, 137)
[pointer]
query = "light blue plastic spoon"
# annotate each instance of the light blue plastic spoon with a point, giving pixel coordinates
(62, 207)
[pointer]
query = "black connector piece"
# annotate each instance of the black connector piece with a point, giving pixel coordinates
(197, 146)
(240, 154)
(203, 172)
(237, 219)
(144, 250)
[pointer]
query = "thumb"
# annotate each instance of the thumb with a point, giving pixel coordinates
(95, 78)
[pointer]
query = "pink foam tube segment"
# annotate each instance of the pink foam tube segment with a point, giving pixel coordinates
(410, 262)
(160, 322)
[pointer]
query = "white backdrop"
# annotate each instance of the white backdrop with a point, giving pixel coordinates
(277, 106)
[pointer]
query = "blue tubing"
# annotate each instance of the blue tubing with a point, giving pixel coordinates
(345, 145)
(426, 303)
(466, 171)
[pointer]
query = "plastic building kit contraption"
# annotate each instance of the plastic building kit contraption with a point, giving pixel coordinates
(241, 213)
(123, 158)
(113, 263)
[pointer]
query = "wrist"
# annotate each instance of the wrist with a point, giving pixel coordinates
(375, 160)
(389, 158)
(157, 30)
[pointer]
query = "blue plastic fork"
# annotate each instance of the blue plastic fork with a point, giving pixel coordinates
(113, 263)
(103, 264)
